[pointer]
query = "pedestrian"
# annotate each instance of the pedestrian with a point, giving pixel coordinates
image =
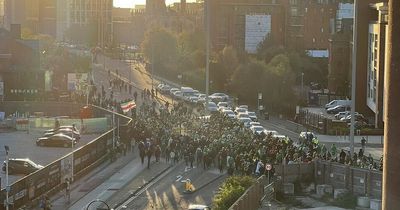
(157, 153)
(149, 154)
(363, 144)
(67, 184)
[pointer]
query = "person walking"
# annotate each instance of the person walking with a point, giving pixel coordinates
(363, 144)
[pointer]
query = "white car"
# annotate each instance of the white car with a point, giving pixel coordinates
(246, 121)
(240, 110)
(178, 94)
(254, 123)
(219, 97)
(244, 107)
(340, 115)
(252, 116)
(173, 90)
(242, 115)
(257, 129)
(212, 107)
(201, 98)
(271, 132)
(198, 207)
(229, 113)
(223, 104)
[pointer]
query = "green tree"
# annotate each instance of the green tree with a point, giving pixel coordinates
(160, 46)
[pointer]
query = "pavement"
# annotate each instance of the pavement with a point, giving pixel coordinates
(107, 177)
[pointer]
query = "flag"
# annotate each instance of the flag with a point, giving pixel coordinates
(127, 106)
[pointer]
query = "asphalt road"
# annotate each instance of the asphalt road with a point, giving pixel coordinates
(23, 145)
(169, 192)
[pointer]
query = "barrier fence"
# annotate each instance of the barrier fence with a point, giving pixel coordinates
(49, 180)
(252, 197)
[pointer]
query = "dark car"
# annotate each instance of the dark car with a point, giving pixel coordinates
(57, 140)
(337, 109)
(21, 166)
(66, 131)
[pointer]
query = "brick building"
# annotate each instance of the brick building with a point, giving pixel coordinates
(20, 73)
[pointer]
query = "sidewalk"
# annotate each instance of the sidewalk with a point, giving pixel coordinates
(83, 187)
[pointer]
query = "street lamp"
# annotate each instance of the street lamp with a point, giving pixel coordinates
(72, 153)
(7, 186)
(302, 84)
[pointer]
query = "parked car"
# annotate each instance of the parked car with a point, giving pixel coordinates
(254, 123)
(218, 97)
(66, 131)
(201, 98)
(178, 95)
(358, 117)
(340, 115)
(243, 114)
(244, 107)
(246, 121)
(212, 107)
(165, 88)
(198, 207)
(223, 104)
(334, 103)
(257, 129)
(229, 113)
(173, 90)
(337, 109)
(239, 110)
(271, 132)
(73, 127)
(252, 116)
(58, 140)
(21, 166)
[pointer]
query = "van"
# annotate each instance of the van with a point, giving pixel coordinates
(337, 103)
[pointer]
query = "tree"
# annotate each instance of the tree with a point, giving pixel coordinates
(160, 46)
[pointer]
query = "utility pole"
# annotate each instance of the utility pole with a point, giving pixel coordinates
(353, 78)
(391, 155)
(207, 22)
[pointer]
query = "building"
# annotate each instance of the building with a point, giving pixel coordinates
(85, 21)
(376, 62)
(304, 30)
(370, 60)
(1, 12)
(38, 16)
(19, 61)
(245, 24)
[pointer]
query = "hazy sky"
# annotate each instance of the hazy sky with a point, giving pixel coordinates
(131, 3)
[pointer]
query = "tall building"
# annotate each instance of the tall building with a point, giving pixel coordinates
(376, 62)
(39, 16)
(244, 24)
(85, 21)
(1, 12)
(309, 23)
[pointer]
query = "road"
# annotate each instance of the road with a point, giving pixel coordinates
(23, 145)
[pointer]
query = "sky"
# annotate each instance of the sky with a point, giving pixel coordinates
(131, 3)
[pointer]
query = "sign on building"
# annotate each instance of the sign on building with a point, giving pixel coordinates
(257, 28)
(77, 81)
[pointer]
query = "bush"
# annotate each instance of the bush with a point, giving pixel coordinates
(232, 188)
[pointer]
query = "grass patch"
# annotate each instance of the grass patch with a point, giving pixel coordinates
(231, 189)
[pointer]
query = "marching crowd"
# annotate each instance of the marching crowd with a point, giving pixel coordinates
(179, 134)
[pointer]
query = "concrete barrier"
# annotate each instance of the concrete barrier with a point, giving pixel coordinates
(375, 204)
(339, 193)
(324, 189)
(288, 188)
(363, 201)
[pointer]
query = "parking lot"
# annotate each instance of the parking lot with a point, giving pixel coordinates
(23, 145)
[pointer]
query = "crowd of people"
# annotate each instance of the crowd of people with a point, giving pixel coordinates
(178, 134)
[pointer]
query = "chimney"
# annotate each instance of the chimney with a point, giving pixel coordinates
(15, 30)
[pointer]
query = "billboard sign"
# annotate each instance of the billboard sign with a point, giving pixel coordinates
(257, 28)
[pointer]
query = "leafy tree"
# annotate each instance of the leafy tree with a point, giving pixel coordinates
(160, 46)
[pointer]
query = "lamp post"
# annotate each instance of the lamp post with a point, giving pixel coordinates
(72, 153)
(7, 186)
(207, 23)
(302, 84)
